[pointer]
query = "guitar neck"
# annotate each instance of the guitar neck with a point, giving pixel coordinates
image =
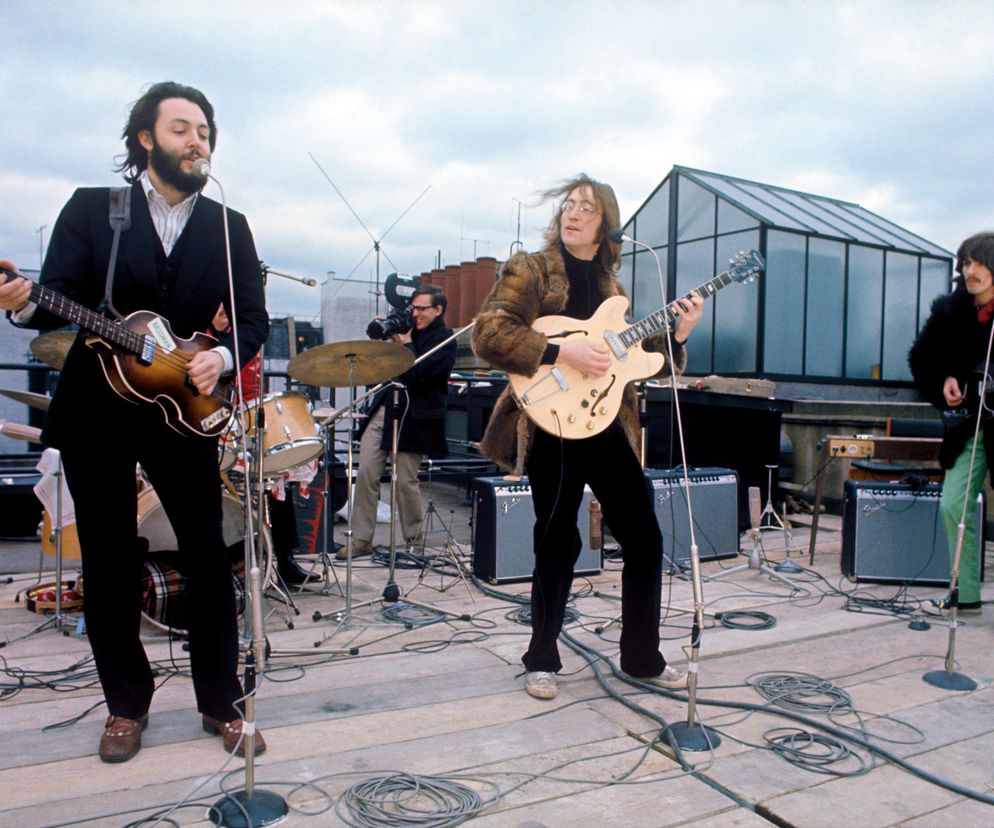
(87, 319)
(663, 318)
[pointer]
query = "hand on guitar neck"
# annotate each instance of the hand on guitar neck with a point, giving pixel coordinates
(15, 291)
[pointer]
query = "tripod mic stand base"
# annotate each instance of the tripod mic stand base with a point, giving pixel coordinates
(949, 680)
(262, 808)
(695, 737)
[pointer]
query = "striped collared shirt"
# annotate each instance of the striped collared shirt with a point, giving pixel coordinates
(169, 221)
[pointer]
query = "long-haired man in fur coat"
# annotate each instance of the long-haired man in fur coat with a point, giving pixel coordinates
(572, 274)
(950, 349)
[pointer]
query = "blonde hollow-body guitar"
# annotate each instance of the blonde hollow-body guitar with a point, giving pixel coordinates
(569, 403)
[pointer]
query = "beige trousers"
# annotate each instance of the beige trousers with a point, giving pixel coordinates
(372, 461)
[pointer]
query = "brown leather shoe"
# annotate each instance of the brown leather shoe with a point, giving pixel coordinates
(122, 738)
(231, 733)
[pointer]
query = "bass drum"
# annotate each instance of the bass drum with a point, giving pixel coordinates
(154, 526)
(164, 594)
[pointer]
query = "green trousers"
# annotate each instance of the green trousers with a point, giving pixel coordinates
(959, 483)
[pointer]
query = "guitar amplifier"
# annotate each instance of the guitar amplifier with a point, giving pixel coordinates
(503, 524)
(714, 500)
(892, 533)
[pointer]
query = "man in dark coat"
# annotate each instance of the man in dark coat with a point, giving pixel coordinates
(945, 360)
(420, 416)
(171, 261)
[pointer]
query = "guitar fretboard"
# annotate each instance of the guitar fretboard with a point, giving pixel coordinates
(662, 319)
(87, 319)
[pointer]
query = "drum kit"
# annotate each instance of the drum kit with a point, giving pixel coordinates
(275, 434)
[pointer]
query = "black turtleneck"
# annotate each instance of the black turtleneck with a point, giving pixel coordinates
(583, 297)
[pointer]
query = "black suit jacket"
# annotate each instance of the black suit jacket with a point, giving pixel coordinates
(84, 407)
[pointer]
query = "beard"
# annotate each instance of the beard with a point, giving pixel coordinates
(167, 167)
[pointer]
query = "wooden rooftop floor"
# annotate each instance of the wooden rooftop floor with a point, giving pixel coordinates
(446, 700)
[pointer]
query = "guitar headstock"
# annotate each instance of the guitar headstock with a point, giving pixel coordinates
(746, 265)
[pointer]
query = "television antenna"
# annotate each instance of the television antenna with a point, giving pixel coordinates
(377, 242)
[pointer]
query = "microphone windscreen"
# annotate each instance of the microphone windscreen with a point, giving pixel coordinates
(616, 235)
(202, 167)
(754, 507)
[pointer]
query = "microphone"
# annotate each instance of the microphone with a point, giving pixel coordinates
(754, 507)
(201, 168)
(617, 235)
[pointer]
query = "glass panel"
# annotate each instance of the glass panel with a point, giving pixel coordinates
(900, 301)
(881, 226)
(935, 282)
(625, 272)
(816, 212)
(866, 299)
(694, 266)
(825, 304)
(694, 211)
(784, 290)
(647, 297)
(735, 312)
(753, 198)
(652, 222)
(732, 219)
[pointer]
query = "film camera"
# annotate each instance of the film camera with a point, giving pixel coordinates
(396, 322)
(398, 290)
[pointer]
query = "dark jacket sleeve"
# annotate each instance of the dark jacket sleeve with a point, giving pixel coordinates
(250, 298)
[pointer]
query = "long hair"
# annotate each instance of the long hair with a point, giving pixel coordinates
(980, 248)
(609, 252)
(142, 117)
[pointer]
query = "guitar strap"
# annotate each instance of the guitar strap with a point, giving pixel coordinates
(120, 220)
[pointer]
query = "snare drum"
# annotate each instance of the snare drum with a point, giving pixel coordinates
(290, 436)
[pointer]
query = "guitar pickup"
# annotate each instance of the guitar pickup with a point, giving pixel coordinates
(147, 353)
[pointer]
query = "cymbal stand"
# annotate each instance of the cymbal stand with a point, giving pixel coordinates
(770, 521)
(57, 619)
(345, 616)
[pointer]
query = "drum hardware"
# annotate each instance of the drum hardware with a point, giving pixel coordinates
(52, 347)
(58, 619)
(378, 361)
(450, 549)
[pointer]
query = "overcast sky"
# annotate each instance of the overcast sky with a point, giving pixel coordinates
(887, 104)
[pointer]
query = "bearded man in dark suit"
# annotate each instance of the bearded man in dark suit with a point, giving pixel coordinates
(171, 260)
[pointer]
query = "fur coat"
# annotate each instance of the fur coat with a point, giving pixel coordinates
(533, 285)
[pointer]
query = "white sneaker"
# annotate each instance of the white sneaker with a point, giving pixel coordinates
(540, 684)
(670, 678)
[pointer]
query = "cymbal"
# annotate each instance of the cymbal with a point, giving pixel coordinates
(39, 401)
(51, 348)
(372, 361)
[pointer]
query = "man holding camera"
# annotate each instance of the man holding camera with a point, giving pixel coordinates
(420, 394)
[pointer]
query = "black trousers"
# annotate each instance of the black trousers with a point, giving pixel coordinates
(557, 471)
(100, 472)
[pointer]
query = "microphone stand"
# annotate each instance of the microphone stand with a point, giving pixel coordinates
(688, 735)
(247, 807)
(266, 270)
(949, 678)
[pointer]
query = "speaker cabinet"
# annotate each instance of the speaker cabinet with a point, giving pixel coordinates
(503, 520)
(714, 501)
(892, 533)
